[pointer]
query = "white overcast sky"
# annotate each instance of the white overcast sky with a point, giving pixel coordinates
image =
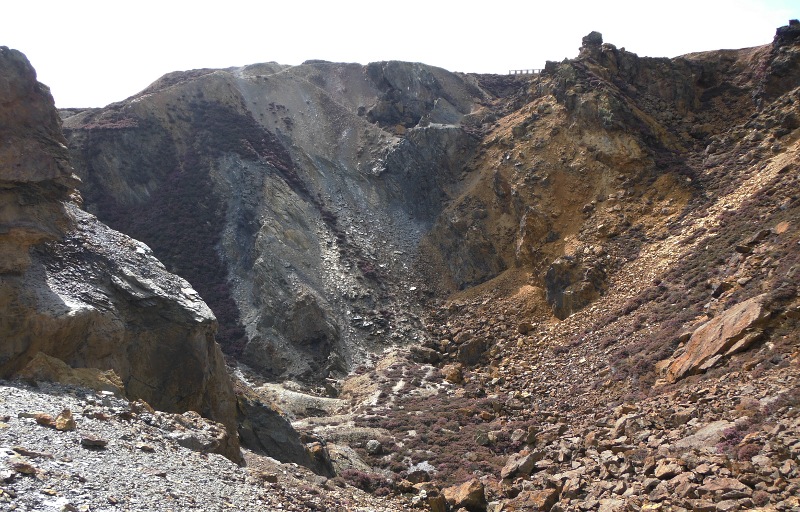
(92, 53)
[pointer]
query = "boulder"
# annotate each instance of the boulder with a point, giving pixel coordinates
(374, 447)
(264, 430)
(667, 469)
(728, 487)
(533, 501)
(706, 437)
(521, 464)
(470, 352)
(732, 331)
(344, 457)
(469, 495)
(426, 355)
(571, 283)
(76, 290)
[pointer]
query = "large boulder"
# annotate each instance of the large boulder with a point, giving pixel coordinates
(264, 430)
(732, 331)
(469, 495)
(540, 500)
(78, 291)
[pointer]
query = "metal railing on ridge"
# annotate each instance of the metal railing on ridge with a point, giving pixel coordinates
(524, 71)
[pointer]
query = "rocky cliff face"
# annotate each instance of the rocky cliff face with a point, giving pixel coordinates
(316, 206)
(293, 199)
(76, 290)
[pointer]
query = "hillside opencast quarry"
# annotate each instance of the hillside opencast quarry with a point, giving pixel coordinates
(393, 287)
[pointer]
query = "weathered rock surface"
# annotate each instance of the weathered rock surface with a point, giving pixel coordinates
(75, 290)
(292, 198)
(315, 207)
(264, 430)
(469, 495)
(44, 368)
(731, 332)
(33, 149)
(668, 183)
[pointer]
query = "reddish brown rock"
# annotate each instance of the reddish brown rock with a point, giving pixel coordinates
(65, 421)
(45, 420)
(453, 373)
(724, 486)
(666, 469)
(520, 464)
(732, 331)
(469, 495)
(533, 501)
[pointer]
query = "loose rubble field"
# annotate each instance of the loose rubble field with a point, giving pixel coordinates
(125, 456)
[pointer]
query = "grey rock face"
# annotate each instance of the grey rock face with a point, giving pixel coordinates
(294, 200)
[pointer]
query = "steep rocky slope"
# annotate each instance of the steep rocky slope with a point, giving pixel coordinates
(651, 206)
(292, 198)
(603, 257)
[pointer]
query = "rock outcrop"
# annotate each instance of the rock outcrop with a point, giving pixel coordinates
(264, 430)
(75, 290)
(732, 331)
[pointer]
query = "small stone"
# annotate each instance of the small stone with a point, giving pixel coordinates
(92, 441)
(65, 421)
(22, 466)
(44, 419)
(147, 448)
(33, 454)
(374, 447)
